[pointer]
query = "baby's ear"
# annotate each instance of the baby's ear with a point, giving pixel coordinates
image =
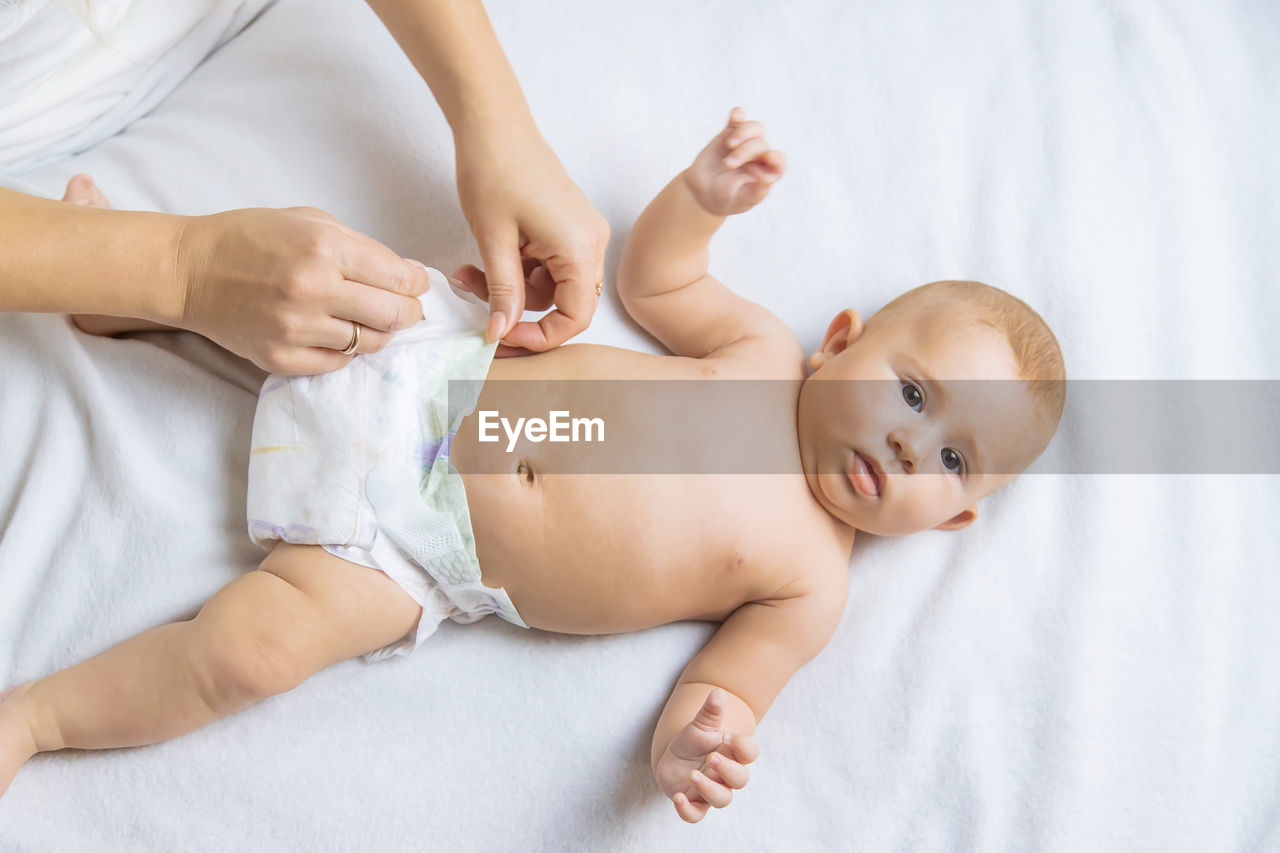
(960, 520)
(844, 330)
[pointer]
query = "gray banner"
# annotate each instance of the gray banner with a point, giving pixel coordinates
(749, 426)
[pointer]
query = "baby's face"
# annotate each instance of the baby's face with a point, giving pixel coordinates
(892, 441)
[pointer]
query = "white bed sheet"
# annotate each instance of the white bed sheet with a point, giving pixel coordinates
(1090, 666)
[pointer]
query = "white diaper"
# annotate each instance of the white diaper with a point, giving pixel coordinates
(357, 460)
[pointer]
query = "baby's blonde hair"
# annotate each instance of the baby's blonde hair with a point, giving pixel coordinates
(1035, 348)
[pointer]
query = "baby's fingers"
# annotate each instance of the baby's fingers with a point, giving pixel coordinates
(773, 162)
(745, 748)
(733, 773)
(740, 133)
(713, 792)
(746, 152)
(690, 812)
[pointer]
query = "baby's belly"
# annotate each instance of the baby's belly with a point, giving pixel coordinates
(590, 554)
(627, 549)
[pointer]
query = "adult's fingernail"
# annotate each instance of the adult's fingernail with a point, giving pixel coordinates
(497, 326)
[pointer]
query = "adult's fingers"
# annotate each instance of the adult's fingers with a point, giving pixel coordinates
(504, 276)
(468, 277)
(539, 286)
(539, 289)
(575, 300)
(367, 261)
(306, 361)
(373, 307)
(337, 334)
(504, 351)
(326, 352)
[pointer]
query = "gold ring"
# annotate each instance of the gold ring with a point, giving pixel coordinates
(355, 339)
(599, 287)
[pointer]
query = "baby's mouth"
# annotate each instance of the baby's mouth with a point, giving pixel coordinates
(862, 473)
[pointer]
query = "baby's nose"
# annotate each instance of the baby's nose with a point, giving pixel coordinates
(906, 452)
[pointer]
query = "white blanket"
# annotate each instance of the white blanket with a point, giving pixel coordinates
(1090, 666)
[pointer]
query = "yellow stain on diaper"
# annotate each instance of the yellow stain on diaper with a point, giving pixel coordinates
(271, 449)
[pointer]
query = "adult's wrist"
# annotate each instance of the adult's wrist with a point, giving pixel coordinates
(127, 264)
(166, 300)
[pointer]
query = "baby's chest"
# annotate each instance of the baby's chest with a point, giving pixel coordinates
(738, 524)
(632, 551)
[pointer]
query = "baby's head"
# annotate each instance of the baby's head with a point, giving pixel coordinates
(912, 444)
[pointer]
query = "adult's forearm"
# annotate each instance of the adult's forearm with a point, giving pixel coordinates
(454, 48)
(57, 257)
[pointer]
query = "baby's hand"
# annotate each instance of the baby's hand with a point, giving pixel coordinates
(703, 762)
(734, 172)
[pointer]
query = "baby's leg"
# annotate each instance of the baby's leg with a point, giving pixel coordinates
(264, 633)
(81, 190)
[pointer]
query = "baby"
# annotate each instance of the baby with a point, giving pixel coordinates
(904, 448)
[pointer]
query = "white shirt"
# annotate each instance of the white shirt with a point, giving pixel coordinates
(64, 87)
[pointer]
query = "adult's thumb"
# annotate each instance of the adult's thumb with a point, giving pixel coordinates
(505, 277)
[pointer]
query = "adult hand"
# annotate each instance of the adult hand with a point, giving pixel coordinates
(522, 206)
(283, 287)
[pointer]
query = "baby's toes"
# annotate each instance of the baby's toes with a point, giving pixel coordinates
(81, 190)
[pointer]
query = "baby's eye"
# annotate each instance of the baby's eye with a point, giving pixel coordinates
(952, 460)
(912, 395)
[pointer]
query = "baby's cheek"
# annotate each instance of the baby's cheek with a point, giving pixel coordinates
(925, 504)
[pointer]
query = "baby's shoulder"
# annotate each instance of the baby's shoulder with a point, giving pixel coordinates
(811, 600)
(773, 353)
(811, 560)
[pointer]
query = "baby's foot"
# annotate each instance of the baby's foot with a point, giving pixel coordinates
(83, 191)
(16, 743)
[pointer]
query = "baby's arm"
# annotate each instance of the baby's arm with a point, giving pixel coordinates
(264, 633)
(662, 278)
(705, 735)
